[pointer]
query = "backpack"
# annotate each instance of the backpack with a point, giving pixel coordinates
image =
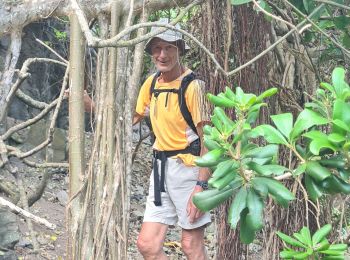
(181, 96)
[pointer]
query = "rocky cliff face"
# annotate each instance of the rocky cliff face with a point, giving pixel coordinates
(45, 79)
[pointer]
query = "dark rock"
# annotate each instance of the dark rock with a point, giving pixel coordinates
(9, 232)
(8, 255)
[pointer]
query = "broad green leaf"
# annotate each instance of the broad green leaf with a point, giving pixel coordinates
(290, 240)
(318, 144)
(316, 171)
(321, 234)
(328, 86)
(276, 190)
(284, 123)
(288, 254)
(336, 138)
(338, 80)
(341, 22)
(246, 233)
(306, 119)
(341, 111)
(305, 255)
(261, 152)
(299, 170)
(338, 247)
(237, 206)
(271, 134)
(209, 199)
(313, 190)
(319, 141)
(339, 123)
(309, 5)
(267, 170)
(255, 206)
(267, 93)
(239, 2)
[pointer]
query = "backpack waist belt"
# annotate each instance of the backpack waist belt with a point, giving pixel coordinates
(193, 148)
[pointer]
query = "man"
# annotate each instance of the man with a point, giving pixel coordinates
(175, 178)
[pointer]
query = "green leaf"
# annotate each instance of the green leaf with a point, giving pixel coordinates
(340, 125)
(336, 138)
(328, 87)
(267, 170)
(338, 247)
(284, 123)
(346, 40)
(308, 252)
(289, 240)
(209, 199)
(305, 232)
(239, 2)
(319, 141)
(338, 80)
(271, 134)
(259, 187)
(321, 234)
(341, 22)
(277, 190)
(246, 233)
(261, 152)
(341, 111)
(288, 254)
(316, 171)
(267, 93)
(255, 206)
(306, 119)
(299, 170)
(332, 252)
(237, 206)
(312, 189)
(210, 158)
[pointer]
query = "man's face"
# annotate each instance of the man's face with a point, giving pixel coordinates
(165, 55)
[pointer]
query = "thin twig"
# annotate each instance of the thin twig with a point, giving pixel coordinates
(52, 50)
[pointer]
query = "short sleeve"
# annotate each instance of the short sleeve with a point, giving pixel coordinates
(144, 98)
(196, 102)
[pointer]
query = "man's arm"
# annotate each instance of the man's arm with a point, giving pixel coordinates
(137, 118)
(204, 174)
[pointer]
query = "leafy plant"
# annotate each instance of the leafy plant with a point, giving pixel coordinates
(319, 138)
(311, 247)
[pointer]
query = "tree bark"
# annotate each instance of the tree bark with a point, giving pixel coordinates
(76, 133)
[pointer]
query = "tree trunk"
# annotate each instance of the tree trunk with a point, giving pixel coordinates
(76, 134)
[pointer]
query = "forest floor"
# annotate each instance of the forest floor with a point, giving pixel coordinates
(51, 206)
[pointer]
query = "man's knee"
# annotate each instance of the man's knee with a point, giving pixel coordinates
(191, 245)
(148, 247)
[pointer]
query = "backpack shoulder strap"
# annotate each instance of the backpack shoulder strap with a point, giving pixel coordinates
(153, 84)
(182, 101)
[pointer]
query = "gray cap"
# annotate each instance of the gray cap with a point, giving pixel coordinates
(173, 37)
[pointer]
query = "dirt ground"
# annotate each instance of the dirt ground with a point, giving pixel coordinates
(52, 207)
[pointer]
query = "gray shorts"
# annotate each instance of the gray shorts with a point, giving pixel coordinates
(180, 181)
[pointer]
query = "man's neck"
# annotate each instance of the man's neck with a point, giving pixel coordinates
(173, 74)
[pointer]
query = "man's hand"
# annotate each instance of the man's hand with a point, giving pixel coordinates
(192, 212)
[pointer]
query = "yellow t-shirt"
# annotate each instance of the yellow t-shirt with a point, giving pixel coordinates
(169, 126)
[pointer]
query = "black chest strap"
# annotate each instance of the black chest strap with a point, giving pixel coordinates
(181, 96)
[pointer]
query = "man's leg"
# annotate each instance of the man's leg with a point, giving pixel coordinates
(151, 239)
(192, 243)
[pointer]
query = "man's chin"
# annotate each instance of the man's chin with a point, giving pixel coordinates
(163, 69)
